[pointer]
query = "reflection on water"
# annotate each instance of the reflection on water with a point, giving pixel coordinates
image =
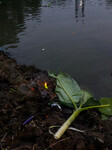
(13, 15)
(109, 2)
(72, 35)
(12, 18)
(79, 9)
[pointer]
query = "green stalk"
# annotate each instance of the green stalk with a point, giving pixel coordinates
(90, 107)
(65, 126)
(67, 94)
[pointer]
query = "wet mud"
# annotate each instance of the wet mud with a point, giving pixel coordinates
(26, 113)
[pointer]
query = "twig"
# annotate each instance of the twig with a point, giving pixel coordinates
(57, 143)
(21, 147)
(3, 137)
(2, 140)
(34, 146)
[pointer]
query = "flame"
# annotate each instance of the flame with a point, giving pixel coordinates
(45, 85)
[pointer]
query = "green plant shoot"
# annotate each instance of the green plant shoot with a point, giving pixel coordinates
(71, 95)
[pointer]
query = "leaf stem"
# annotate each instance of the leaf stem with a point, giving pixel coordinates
(97, 106)
(65, 126)
(67, 94)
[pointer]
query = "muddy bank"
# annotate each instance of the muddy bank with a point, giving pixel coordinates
(26, 114)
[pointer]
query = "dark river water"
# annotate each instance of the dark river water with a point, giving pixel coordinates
(74, 36)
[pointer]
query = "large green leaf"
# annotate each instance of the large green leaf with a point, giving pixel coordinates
(67, 89)
(106, 110)
(91, 102)
(52, 74)
(85, 97)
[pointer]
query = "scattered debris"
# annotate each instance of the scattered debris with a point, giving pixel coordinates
(48, 5)
(45, 85)
(23, 93)
(28, 120)
(55, 104)
(70, 128)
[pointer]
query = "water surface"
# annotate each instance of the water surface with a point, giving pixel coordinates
(74, 36)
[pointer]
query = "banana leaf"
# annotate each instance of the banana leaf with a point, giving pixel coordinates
(106, 110)
(67, 89)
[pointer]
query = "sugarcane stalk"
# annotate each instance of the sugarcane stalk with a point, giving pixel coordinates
(65, 126)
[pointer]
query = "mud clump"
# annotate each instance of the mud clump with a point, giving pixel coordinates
(26, 114)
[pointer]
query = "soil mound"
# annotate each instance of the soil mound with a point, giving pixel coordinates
(26, 113)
